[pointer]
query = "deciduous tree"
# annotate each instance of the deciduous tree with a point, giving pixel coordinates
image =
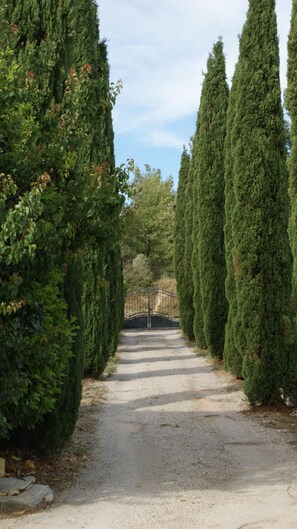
(149, 219)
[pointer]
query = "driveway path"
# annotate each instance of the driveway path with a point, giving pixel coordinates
(175, 448)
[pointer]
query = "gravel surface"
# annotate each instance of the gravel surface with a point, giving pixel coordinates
(175, 446)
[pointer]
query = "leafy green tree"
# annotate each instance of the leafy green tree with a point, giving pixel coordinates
(261, 253)
(180, 232)
(36, 334)
(209, 276)
(138, 274)
(56, 128)
(149, 220)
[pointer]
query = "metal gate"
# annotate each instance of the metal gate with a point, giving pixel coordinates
(150, 308)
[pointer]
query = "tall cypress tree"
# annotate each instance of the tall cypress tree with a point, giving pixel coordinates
(232, 355)
(114, 269)
(180, 233)
(261, 253)
(291, 103)
(187, 308)
(209, 179)
(71, 33)
(198, 320)
(42, 31)
(102, 290)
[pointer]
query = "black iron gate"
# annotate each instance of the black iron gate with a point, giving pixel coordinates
(150, 308)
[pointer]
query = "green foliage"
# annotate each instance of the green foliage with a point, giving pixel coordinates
(208, 235)
(60, 201)
(58, 425)
(102, 301)
(36, 346)
(149, 219)
(196, 306)
(95, 311)
(180, 233)
(36, 335)
(111, 366)
(260, 247)
(291, 103)
(138, 274)
(102, 305)
(232, 355)
(116, 297)
(186, 307)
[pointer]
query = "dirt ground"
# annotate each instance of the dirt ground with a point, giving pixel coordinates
(170, 443)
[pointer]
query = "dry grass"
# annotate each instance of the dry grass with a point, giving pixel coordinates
(137, 302)
(168, 284)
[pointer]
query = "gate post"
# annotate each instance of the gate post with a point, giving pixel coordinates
(149, 321)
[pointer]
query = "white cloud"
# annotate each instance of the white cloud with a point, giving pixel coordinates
(159, 49)
(163, 138)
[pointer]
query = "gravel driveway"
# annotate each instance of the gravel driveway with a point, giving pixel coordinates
(175, 447)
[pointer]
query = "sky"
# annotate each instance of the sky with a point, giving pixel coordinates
(159, 49)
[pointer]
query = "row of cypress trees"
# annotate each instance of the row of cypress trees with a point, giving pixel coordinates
(65, 74)
(238, 294)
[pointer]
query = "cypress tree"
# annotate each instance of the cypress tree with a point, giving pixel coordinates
(180, 233)
(198, 321)
(291, 103)
(187, 308)
(95, 310)
(58, 425)
(71, 33)
(102, 290)
(116, 298)
(114, 268)
(232, 356)
(209, 181)
(41, 38)
(261, 253)
(81, 47)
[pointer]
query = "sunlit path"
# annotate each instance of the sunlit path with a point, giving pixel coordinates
(174, 449)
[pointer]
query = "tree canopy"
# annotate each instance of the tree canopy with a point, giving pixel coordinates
(209, 267)
(60, 202)
(148, 224)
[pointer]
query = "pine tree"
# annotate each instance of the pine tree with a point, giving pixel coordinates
(261, 253)
(209, 181)
(180, 233)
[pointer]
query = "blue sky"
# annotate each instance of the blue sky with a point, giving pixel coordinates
(159, 49)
